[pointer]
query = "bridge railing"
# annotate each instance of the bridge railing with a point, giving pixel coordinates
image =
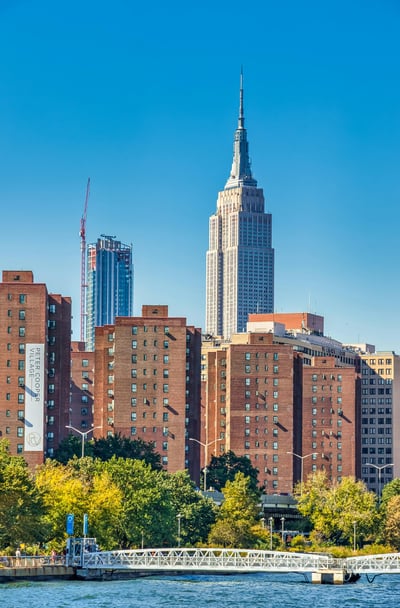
(211, 559)
(374, 564)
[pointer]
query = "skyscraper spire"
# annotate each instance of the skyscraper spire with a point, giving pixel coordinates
(241, 110)
(241, 166)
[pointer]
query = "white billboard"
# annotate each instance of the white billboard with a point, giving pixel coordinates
(34, 397)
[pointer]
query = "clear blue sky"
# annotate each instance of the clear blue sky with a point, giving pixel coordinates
(143, 98)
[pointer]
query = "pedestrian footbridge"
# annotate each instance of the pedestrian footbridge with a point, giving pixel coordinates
(320, 568)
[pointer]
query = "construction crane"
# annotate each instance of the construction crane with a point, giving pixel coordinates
(82, 234)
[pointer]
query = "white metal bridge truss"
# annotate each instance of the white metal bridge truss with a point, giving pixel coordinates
(227, 561)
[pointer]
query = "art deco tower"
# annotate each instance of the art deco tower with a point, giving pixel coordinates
(240, 258)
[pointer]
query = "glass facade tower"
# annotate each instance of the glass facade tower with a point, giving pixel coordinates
(109, 284)
(240, 257)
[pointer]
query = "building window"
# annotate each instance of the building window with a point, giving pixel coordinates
(21, 349)
(84, 399)
(84, 411)
(85, 362)
(165, 388)
(21, 397)
(20, 448)
(22, 298)
(51, 388)
(133, 430)
(134, 343)
(134, 388)
(165, 343)
(134, 330)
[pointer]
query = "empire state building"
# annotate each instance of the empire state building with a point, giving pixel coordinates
(240, 257)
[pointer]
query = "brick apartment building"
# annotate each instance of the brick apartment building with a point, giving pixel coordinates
(148, 384)
(281, 401)
(248, 405)
(35, 333)
(329, 435)
(81, 388)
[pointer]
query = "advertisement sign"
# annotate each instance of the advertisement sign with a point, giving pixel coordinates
(34, 398)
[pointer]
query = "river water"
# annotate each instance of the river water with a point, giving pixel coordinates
(252, 591)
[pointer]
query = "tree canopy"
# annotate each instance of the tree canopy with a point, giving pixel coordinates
(224, 468)
(238, 515)
(337, 510)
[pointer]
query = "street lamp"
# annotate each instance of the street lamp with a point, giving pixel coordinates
(283, 529)
(205, 446)
(271, 521)
(379, 477)
(83, 434)
(302, 466)
(179, 528)
(354, 536)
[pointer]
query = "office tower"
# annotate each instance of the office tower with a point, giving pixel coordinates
(379, 409)
(35, 332)
(240, 258)
(148, 383)
(109, 284)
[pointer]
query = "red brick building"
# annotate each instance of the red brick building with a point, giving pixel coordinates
(263, 399)
(329, 426)
(81, 388)
(248, 405)
(148, 383)
(35, 332)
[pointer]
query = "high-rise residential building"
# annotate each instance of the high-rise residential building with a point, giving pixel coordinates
(35, 332)
(283, 397)
(329, 438)
(240, 257)
(82, 388)
(109, 284)
(148, 384)
(379, 412)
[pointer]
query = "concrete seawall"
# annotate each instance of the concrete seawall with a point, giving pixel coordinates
(36, 573)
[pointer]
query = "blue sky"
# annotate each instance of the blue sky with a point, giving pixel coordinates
(143, 98)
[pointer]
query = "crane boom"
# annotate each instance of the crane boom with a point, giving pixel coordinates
(82, 234)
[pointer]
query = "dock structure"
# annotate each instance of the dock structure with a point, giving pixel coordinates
(85, 564)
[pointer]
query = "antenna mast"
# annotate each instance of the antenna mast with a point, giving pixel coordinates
(82, 234)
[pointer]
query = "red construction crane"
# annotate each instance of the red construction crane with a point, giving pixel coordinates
(82, 234)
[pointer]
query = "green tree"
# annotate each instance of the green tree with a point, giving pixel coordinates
(390, 489)
(392, 522)
(148, 515)
(71, 447)
(197, 513)
(336, 510)
(224, 468)
(21, 506)
(124, 447)
(80, 487)
(237, 520)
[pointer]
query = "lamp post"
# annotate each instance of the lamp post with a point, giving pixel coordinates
(354, 536)
(302, 466)
(83, 434)
(179, 528)
(271, 521)
(380, 468)
(205, 446)
(283, 529)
